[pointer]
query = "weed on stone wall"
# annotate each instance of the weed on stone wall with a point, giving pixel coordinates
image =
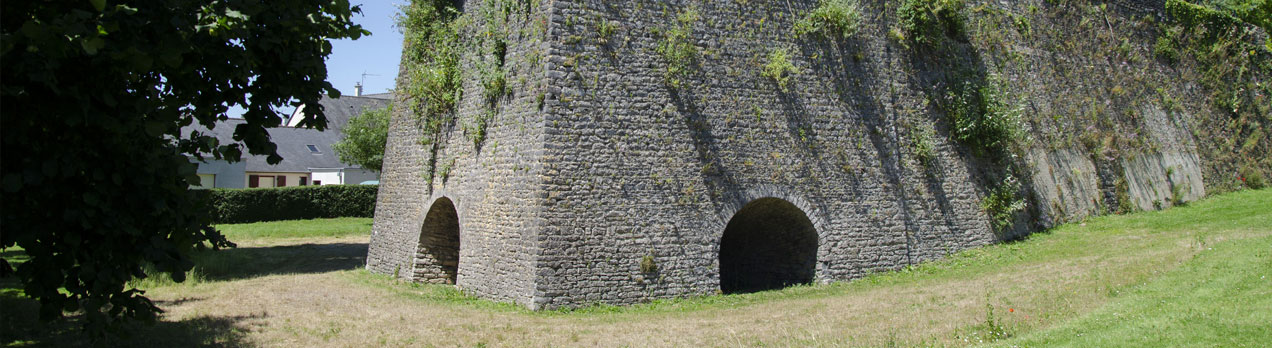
(1252, 179)
(831, 19)
(1003, 202)
(922, 144)
(677, 47)
(928, 21)
(780, 68)
(973, 101)
(982, 119)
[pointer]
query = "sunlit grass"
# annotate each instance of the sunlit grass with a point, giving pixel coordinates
(316, 228)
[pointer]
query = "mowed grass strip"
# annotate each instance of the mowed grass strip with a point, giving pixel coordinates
(291, 229)
(1222, 297)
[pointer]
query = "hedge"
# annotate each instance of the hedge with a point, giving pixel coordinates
(292, 203)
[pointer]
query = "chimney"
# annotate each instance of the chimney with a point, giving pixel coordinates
(357, 89)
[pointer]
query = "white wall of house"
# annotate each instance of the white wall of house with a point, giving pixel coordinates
(222, 173)
(343, 176)
(328, 176)
(271, 179)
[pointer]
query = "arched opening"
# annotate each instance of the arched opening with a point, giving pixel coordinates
(437, 258)
(768, 244)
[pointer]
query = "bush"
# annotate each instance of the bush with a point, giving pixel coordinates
(1165, 49)
(831, 18)
(927, 21)
(292, 203)
(1002, 204)
(982, 119)
(1252, 178)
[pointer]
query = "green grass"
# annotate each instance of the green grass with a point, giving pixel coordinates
(338, 227)
(1223, 297)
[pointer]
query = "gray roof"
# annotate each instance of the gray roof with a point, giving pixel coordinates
(340, 110)
(293, 143)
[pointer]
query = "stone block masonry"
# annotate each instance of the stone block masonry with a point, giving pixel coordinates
(602, 181)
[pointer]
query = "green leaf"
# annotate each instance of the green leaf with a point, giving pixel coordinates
(99, 5)
(91, 46)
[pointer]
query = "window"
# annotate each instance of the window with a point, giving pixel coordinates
(254, 181)
(304, 181)
(313, 148)
(317, 182)
(281, 181)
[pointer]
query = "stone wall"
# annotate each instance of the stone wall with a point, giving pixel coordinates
(618, 186)
(494, 186)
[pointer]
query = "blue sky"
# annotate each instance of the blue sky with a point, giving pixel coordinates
(376, 55)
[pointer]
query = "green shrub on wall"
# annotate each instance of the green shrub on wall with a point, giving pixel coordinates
(927, 21)
(292, 203)
(831, 18)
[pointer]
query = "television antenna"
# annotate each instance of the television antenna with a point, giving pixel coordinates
(364, 77)
(357, 88)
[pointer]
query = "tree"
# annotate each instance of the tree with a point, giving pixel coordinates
(96, 175)
(364, 138)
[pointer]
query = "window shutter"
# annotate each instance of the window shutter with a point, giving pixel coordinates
(282, 181)
(254, 181)
(304, 181)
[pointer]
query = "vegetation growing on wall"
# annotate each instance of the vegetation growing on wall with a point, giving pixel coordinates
(981, 118)
(1233, 68)
(779, 67)
(434, 80)
(677, 47)
(1003, 202)
(432, 51)
(973, 101)
(929, 21)
(439, 37)
(831, 18)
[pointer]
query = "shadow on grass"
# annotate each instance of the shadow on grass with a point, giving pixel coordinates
(20, 327)
(243, 263)
(19, 315)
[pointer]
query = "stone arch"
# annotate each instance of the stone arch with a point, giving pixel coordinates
(437, 256)
(768, 244)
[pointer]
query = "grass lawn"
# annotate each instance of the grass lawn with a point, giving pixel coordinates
(1189, 276)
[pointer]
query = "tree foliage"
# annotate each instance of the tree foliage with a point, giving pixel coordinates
(364, 138)
(95, 94)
